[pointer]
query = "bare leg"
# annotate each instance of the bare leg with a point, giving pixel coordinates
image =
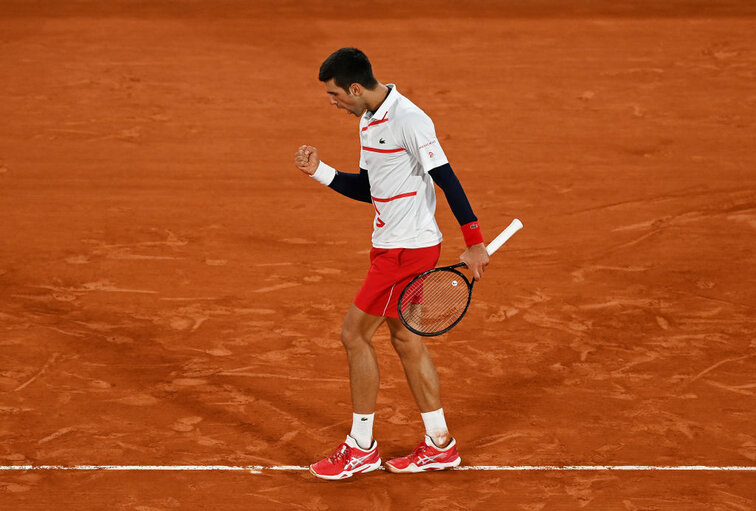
(356, 336)
(420, 371)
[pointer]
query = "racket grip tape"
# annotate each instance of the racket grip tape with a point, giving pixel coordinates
(502, 238)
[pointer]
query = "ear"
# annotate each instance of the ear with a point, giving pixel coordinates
(355, 89)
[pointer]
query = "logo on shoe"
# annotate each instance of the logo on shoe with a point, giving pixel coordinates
(356, 462)
(381, 141)
(424, 460)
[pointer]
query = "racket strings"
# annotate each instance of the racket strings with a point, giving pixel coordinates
(435, 302)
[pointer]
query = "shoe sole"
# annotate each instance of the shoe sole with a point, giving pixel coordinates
(430, 467)
(349, 473)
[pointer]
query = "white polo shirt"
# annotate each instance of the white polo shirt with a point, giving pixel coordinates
(399, 148)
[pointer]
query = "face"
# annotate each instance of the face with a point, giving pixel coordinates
(350, 101)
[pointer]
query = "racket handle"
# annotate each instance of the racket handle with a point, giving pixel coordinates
(502, 238)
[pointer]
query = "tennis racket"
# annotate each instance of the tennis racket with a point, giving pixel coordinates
(436, 300)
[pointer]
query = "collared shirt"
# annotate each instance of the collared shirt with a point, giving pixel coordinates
(399, 148)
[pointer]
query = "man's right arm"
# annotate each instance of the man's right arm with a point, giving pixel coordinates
(354, 186)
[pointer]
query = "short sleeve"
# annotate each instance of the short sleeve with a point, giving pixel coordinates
(419, 138)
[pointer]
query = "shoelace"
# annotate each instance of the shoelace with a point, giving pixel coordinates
(341, 452)
(420, 449)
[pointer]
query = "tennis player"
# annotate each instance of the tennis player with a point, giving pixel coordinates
(400, 160)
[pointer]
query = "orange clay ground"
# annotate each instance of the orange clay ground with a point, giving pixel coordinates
(172, 288)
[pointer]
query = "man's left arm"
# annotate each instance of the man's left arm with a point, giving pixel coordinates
(475, 257)
(420, 140)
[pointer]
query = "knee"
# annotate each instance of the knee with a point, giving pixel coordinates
(407, 345)
(358, 329)
(353, 339)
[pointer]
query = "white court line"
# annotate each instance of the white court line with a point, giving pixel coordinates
(257, 469)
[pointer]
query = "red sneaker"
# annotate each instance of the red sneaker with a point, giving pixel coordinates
(347, 460)
(426, 457)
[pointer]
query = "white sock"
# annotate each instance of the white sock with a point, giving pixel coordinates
(362, 429)
(435, 427)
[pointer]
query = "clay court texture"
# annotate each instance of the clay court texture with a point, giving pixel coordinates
(172, 287)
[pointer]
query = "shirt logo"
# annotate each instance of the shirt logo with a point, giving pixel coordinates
(381, 141)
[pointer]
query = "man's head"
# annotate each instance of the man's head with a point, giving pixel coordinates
(347, 74)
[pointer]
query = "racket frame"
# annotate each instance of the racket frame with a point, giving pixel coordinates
(492, 247)
(450, 269)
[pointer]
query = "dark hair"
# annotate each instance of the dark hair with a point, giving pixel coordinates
(347, 66)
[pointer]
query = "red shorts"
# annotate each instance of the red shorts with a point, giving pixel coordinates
(391, 269)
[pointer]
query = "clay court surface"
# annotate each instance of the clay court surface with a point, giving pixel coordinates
(172, 288)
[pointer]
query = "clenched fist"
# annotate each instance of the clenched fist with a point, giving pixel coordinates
(306, 159)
